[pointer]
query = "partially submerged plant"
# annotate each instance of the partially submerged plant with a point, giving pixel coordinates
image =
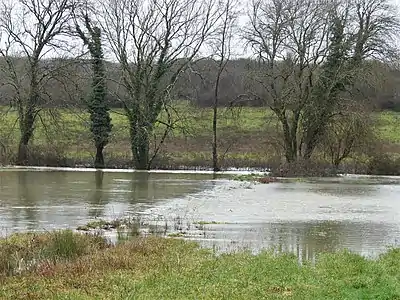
(109, 225)
(267, 179)
(247, 177)
(256, 178)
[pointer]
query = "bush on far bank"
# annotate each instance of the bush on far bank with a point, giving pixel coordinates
(383, 164)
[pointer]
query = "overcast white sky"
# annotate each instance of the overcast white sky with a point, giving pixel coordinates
(238, 48)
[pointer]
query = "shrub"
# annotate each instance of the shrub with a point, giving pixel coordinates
(383, 164)
(303, 168)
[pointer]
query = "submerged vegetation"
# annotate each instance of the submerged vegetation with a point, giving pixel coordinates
(247, 177)
(66, 265)
(106, 225)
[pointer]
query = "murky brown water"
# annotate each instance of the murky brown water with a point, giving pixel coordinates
(357, 213)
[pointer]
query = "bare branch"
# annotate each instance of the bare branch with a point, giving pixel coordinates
(154, 42)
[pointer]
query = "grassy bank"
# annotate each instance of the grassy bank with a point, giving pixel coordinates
(159, 268)
(248, 138)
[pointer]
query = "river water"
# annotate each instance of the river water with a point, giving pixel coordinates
(305, 217)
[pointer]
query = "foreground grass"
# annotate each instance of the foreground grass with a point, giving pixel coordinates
(159, 268)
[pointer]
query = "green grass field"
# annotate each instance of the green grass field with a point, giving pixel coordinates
(248, 136)
(389, 126)
(72, 266)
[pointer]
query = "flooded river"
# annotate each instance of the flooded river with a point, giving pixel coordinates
(361, 214)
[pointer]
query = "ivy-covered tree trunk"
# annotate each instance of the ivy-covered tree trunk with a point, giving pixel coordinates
(100, 128)
(289, 143)
(289, 130)
(216, 167)
(27, 114)
(333, 80)
(99, 159)
(100, 120)
(141, 146)
(140, 132)
(26, 131)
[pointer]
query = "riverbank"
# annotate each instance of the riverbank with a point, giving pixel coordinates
(248, 138)
(66, 265)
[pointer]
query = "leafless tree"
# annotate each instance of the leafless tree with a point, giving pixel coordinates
(154, 41)
(289, 40)
(347, 132)
(375, 26)
(32, 31)
(309, 53)
(364, 30)
(221, 46)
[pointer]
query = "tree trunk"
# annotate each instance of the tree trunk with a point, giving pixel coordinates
(214, 143)
(26, 130)
(290, 154)
(336, 163)
(99, 159)
(22, 156)
(27, 116)
(311, 142)
(289, 134)
(142, 159)
(309, 149)
(290, 145)
(141, 149)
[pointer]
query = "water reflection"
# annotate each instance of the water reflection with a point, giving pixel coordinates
(332, 189)
(142, 188)
(53, 199)
(27, 199)
(294, 217)
(303, 217)
(97, 198)
(304, 239)
(149, 187)
(355, 190)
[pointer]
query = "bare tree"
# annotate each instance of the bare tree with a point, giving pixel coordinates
(289, 40)
(154, 41)
(309, 52)
(365, 30)
(376, 26)
(221, 46)
(347, 132)
(30, 31)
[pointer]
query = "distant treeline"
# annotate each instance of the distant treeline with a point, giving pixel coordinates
(69, 86)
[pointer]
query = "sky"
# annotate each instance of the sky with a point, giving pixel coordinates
(238, 47)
